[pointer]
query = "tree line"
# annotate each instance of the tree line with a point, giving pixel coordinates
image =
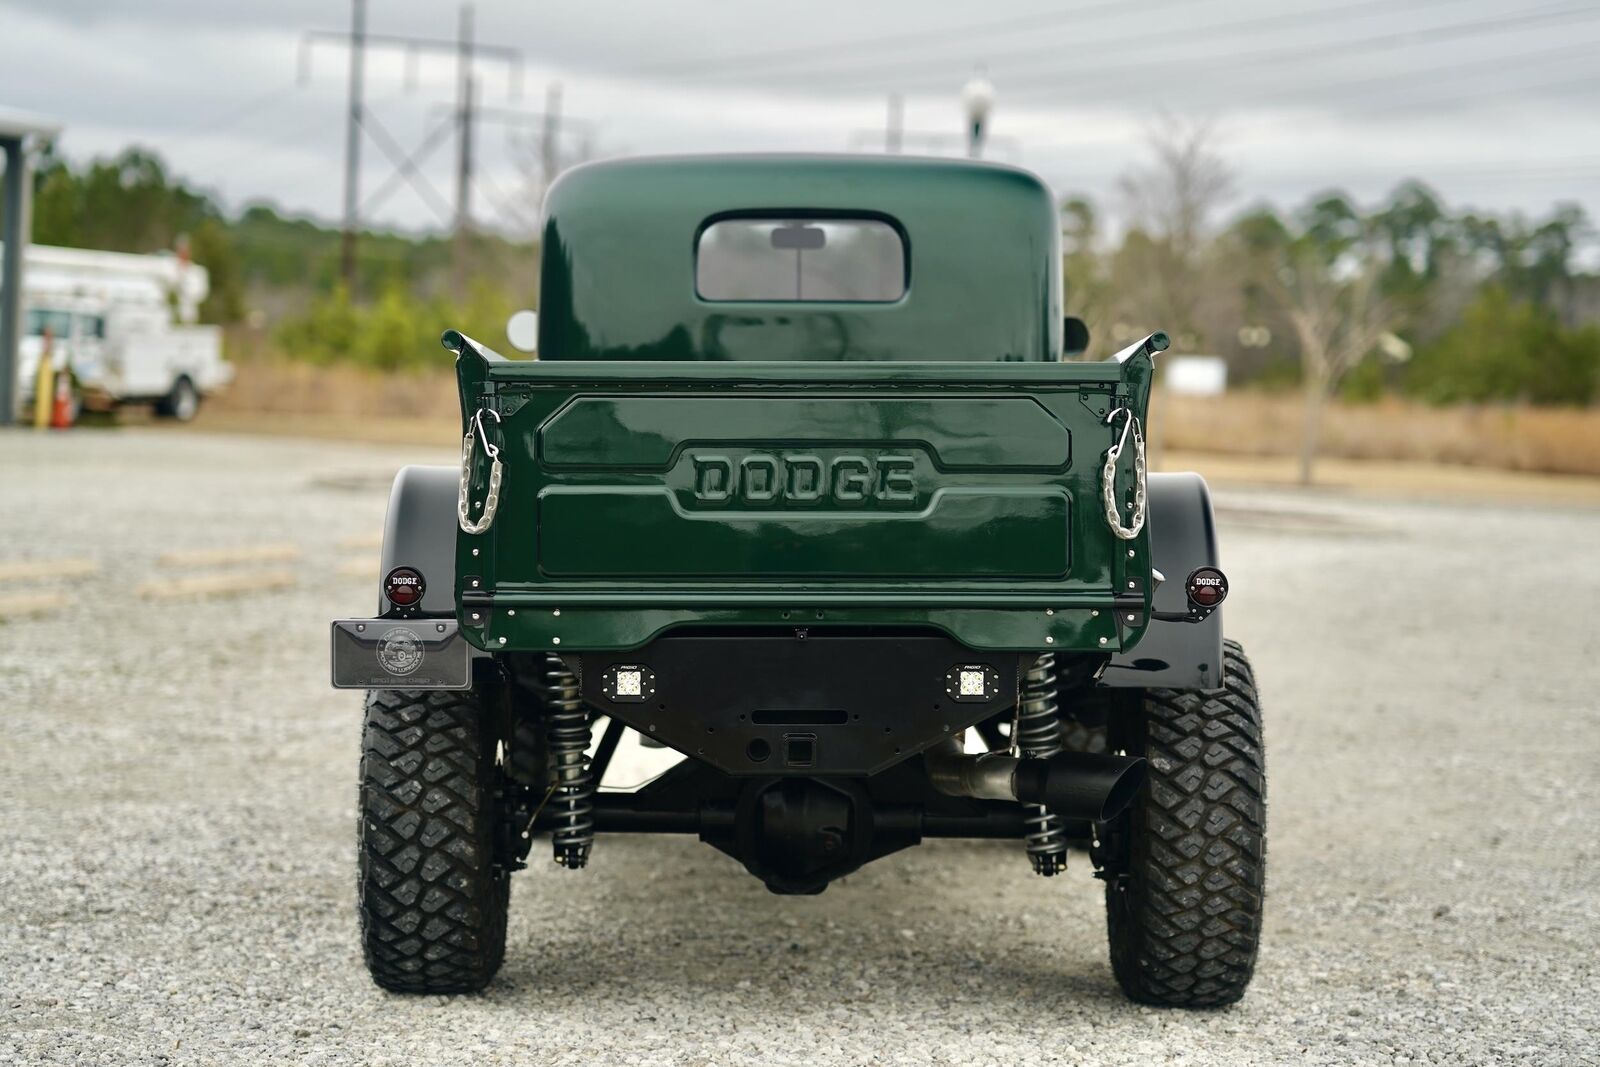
(276, 276)
(1406, 295)
(1403, 296)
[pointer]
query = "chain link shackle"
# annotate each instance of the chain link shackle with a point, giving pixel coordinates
(1108, 478)
(490, 502)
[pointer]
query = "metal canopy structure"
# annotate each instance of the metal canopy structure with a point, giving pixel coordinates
(16, 128)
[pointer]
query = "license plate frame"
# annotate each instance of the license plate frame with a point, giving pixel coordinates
(400, 654)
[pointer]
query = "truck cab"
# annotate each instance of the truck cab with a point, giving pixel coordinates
(804, 487)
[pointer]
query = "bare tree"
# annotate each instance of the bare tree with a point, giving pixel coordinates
(1336, 306)
(1171, 204)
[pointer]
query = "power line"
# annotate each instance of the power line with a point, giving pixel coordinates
(1032, 82)
(241, 111)
(1431, 74)
(1425, 77)
(808, 53)
(1134, 45)
(1485, 90)
(1253, 61)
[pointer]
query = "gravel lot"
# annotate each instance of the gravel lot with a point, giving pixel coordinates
(177, 824)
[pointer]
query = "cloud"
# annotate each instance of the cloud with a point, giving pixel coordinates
(1356, 96)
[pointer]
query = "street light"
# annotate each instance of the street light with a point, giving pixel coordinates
(978, 99)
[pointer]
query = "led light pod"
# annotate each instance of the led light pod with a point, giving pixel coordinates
(971, 682)
(628, 683)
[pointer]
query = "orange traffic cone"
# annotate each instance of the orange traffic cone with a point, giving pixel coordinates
(62, 415)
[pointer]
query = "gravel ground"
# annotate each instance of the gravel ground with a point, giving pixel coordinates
(177, 789)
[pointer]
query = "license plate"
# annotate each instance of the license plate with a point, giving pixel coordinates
(400, 654)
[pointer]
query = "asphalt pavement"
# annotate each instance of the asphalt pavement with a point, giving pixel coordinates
(177, 824)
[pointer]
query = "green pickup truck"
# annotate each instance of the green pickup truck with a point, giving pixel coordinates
(807, 484)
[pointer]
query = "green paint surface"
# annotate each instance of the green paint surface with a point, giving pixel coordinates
(927, 462)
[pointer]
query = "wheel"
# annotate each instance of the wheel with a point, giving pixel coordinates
(433, 899)
(182, 403)
(1185, 864)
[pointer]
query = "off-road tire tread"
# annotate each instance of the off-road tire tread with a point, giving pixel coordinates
(1185, 922)
(1080, 736)
(432, 899)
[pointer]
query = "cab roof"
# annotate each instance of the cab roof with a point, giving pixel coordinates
(619, 243)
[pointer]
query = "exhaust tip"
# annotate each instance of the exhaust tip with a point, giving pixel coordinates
(1124, 788)
(1081, 785)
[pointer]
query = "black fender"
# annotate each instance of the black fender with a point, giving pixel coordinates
(420, 532)
(1183, 536)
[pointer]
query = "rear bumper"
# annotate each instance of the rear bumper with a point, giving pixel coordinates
(801, 702)
(515, 621)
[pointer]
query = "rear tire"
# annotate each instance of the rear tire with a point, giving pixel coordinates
(182, 403)
(433, 900)
(1080, 735)
(1185, 864)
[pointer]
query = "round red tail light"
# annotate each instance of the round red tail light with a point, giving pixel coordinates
(403, 586)
(1207, 587)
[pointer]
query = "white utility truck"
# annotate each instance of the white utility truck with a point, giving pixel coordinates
(125, 327)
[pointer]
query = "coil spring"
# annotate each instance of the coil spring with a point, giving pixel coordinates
(567, 727)
(1038, 735)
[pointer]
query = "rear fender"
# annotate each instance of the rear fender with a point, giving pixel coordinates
(420, 532)
(1183, 536)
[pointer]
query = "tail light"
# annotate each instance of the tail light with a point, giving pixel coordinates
(403, 586)
(1207, 587)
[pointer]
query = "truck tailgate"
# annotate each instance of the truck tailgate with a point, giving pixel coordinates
(708, 490)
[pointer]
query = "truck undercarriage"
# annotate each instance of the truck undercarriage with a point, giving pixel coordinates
(814, 782)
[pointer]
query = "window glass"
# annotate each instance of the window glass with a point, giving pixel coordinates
(801, 260)
(60, 323)
(92, 326)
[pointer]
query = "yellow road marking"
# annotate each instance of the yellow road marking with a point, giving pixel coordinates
(18, 605)
(11, 570)
(223, 583)
(214, 557)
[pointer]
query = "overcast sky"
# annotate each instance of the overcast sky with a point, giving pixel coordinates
(1496, 104)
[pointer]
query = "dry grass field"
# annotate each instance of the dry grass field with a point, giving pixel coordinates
(1390, 447)
(1520, 438)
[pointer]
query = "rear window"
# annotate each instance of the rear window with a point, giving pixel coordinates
(801, 260)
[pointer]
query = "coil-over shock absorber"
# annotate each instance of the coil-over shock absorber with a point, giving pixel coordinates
(567, 727)
(1038, 735)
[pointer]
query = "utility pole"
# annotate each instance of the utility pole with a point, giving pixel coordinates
(464, 87)
(468, 53)
(895, 127)
(537, 135)
(550, 135)
(352, 144)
